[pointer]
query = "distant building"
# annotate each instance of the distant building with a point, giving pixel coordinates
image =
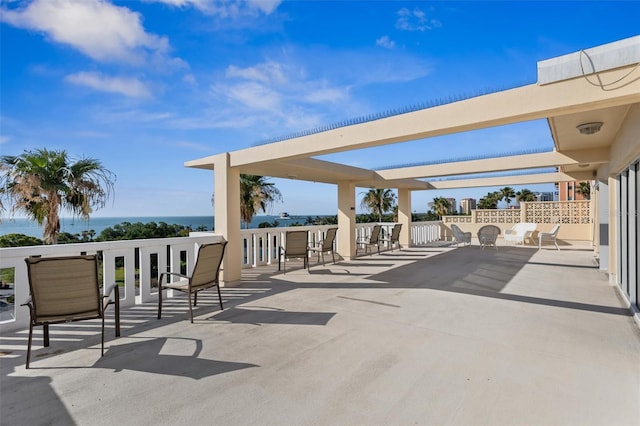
(466, 205)
(452, 206)
(545, 196)
(567, 191)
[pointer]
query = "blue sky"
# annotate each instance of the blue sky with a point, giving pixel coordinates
(144, 86)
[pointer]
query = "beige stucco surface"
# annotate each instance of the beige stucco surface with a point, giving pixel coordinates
(422, 336)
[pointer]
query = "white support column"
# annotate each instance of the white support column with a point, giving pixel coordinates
(347, 220)
(227, 216)
(404, 216)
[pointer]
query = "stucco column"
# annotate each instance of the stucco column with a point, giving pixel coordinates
(613, 223)
(347, 220)
(227, 216)
(404, 216)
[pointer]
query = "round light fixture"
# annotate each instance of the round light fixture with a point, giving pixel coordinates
(589, 128)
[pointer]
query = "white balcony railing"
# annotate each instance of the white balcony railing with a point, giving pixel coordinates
(143, 260)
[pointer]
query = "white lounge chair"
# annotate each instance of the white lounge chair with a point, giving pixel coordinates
(549, 236)
(520, 232)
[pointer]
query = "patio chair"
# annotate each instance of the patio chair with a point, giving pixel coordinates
(296, 245)
(372, 240)
(326, 245)
(394, 237)
(520, 232)
(64, 289)
(206, 274)
(459, 236)
(487, 235)
(549, 236)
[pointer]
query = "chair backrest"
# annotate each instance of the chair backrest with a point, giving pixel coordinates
(296, 243)
(524, 227)
(327, 243)
(64, 286)
(457, 232)
(395, 232)
(489, 233)
(207, 267)
(374, 238)
(554, 230)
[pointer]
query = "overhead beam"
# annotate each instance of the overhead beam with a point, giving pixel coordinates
(511, 180)
(507, 107)
(516, 162)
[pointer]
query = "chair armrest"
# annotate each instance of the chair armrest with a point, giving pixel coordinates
(109, 289)
(176, 274)
(27, 302)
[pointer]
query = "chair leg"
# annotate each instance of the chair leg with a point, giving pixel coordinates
(160, 303)
(190, 308)
(102, 341)
(220, 296)
(45, 330)
(116, 306)
(29, 343)
(195, 298)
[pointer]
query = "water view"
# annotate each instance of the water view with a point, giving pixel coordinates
(98, 224)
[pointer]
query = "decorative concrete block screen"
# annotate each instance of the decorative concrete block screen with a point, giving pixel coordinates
(563, 212)
(494, 216)
(574, 216)
(552, 212)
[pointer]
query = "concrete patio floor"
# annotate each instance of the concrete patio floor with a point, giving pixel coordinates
(428, 335)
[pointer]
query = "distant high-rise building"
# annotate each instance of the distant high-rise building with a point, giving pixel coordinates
(452, 205)
(466, 205)
(567, 191)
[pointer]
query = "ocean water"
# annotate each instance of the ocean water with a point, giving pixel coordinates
(76, 226)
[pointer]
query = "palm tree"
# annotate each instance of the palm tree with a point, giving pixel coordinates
(507, 193)
(440, 206)
(525, 195)
(378, 201)
(490, 201)
(256, 194)
(41, 183)
(584, 188)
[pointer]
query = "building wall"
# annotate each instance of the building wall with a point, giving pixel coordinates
(623, 174)
(567, 191)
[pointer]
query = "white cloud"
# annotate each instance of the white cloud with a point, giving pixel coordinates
(130, 87)
(268, 72)
(190, 79)
(4, 139)
(227, 8)
(100, 30)
(385, 42)
(330, 94)
(415, 20)
(255, 96)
